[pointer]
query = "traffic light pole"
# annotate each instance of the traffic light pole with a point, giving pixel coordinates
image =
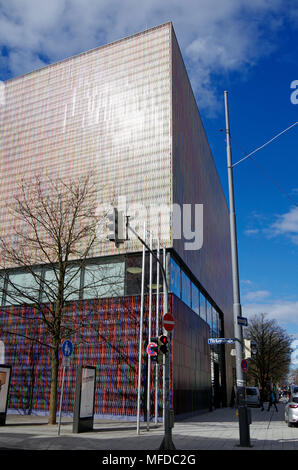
(167, 443)
(240, 383)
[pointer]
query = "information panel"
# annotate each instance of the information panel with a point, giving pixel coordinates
(84, 399)
(87, 392)
(5, 373)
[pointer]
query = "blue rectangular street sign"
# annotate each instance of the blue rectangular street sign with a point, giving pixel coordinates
(221, 341)
(242, 321)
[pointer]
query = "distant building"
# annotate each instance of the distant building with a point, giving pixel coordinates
(126, 110)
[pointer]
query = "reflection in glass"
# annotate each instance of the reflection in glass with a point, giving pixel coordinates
(72, 283)
(186, 291)
(203, 307)
(195, 299)
(175, 285)
(134, 274)
(104, 280)
(23, 288)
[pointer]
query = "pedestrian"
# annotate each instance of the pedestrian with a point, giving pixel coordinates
(272, 401)
(262, 398)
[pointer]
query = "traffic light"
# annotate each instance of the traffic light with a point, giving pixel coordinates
(163, 344)
(253, 348)
(161, 348)
(250, 349)
(116, 226)
(113, 225)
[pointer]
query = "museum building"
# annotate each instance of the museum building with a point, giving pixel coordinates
(125, 111)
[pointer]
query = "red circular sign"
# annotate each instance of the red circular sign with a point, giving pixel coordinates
(149, 350)
(244, 365)
(168, 322)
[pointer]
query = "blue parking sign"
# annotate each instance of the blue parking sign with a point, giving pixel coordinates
(67, 348)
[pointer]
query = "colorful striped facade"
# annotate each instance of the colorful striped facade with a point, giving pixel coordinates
(107, 337)
(108, 340)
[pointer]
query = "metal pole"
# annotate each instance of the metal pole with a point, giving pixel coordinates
(141, 334)
(157, 331)
(167, 443)
(61, 398)
(165, 310)
(149, 334)
(240, 383)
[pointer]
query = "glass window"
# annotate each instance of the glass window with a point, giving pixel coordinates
(214, 322)
(72, 283)
(50, 286)
(134, 275)
(23, 288)
(175, 285)
(104, 280)
(203, 309)
(186, 290)
(251, 391)
(195, 299)
(217, 327)
(2, 281)
(209, 315)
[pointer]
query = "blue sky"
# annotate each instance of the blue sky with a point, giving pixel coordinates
(247, 48)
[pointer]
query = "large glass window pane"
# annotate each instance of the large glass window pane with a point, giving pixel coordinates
(72, 283)
(209, 316)
(175, 285)
(195, 299)
(105, 280)
(215, 323)
(186, 292)
(23, 288)
(203, 307)
(134, 274)
(50, 286)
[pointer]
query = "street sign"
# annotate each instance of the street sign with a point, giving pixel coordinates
(67, 348)
(150, 352)
(66, 361)
(244, 365)
(242, 321)
(221, 340)
(168, 322)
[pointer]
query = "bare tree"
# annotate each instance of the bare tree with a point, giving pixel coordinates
(55, 226)
(272, 360)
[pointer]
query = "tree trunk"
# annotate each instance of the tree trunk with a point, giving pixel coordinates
(54, 382)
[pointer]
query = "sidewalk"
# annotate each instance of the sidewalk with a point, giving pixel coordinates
(217, 430)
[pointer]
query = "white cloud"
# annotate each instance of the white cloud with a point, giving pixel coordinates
(253, 231)
(216, 37)
(257, 295)
(284, 312)
(294, 355)
(286, 224)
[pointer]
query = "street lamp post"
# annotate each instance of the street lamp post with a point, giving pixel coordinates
(240, 383)
(242, 406)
